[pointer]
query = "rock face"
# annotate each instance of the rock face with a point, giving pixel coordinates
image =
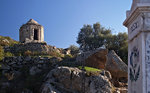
(116, 66)
(70, 80)
(43, 75)
(40, 75)
(118, 69)
(101, 59)
(34, 62)
(24, 74)
(96, 58)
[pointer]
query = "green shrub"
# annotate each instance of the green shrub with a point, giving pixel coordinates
(8, 54)
(68, 56)
(91, 71)
(54, 54)
(74, 50)
(1, 53)
(7, 41)
(28, 53)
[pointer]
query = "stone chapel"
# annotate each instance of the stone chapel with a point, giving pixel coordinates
(30, 32)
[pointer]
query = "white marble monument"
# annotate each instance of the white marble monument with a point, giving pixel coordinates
(138, 24)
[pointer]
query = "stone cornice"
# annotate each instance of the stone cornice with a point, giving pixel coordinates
(140, 8)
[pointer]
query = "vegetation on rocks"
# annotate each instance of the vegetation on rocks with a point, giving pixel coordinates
(90, 71)
(71, 80)
(1, 53)
(36, 53)
(4, 54)
(90, 38)
(74, 50)
(36, 67)
(7, 41)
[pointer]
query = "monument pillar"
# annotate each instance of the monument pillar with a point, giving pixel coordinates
(138, 24)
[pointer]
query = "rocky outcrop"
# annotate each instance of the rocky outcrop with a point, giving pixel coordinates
(96, 58)
(118, 69)
(24, 74)
(7, 41)
(73, 80)
(37, 75)
(100, 58)
(18, 61)
(116, 66)
(33, 65)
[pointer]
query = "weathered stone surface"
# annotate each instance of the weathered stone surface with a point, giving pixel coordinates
(34, 70)
(96, 58)
(100, 58)
(116, 66)
(35, 63)
(20, 76)
(47, 88)
(69, 80)
(138, 24)
(33, 47)
(5, 67)
(31, 32)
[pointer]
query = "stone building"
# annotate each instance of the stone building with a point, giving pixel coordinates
(31, 32)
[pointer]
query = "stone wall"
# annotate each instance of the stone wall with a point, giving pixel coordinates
(27, 32)
(34, 47)
(35, 63)
(20, 73)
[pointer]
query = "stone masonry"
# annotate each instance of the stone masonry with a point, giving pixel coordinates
(31, 32)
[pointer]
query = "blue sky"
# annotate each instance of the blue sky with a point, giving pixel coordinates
(62, 19)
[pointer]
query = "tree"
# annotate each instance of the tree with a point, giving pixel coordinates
(90, 38)
(74, 50)
(85, 36)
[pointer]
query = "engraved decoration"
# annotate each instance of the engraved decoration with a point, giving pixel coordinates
(134, 27)
(134, 67)
(147, 64)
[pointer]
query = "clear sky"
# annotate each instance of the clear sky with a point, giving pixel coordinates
(62, 19)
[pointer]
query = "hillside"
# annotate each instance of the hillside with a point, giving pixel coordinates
(7, 41)
(40, 68)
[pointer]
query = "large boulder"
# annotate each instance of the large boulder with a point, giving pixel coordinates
(95, 58)
(116, 66)
(72, 80)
